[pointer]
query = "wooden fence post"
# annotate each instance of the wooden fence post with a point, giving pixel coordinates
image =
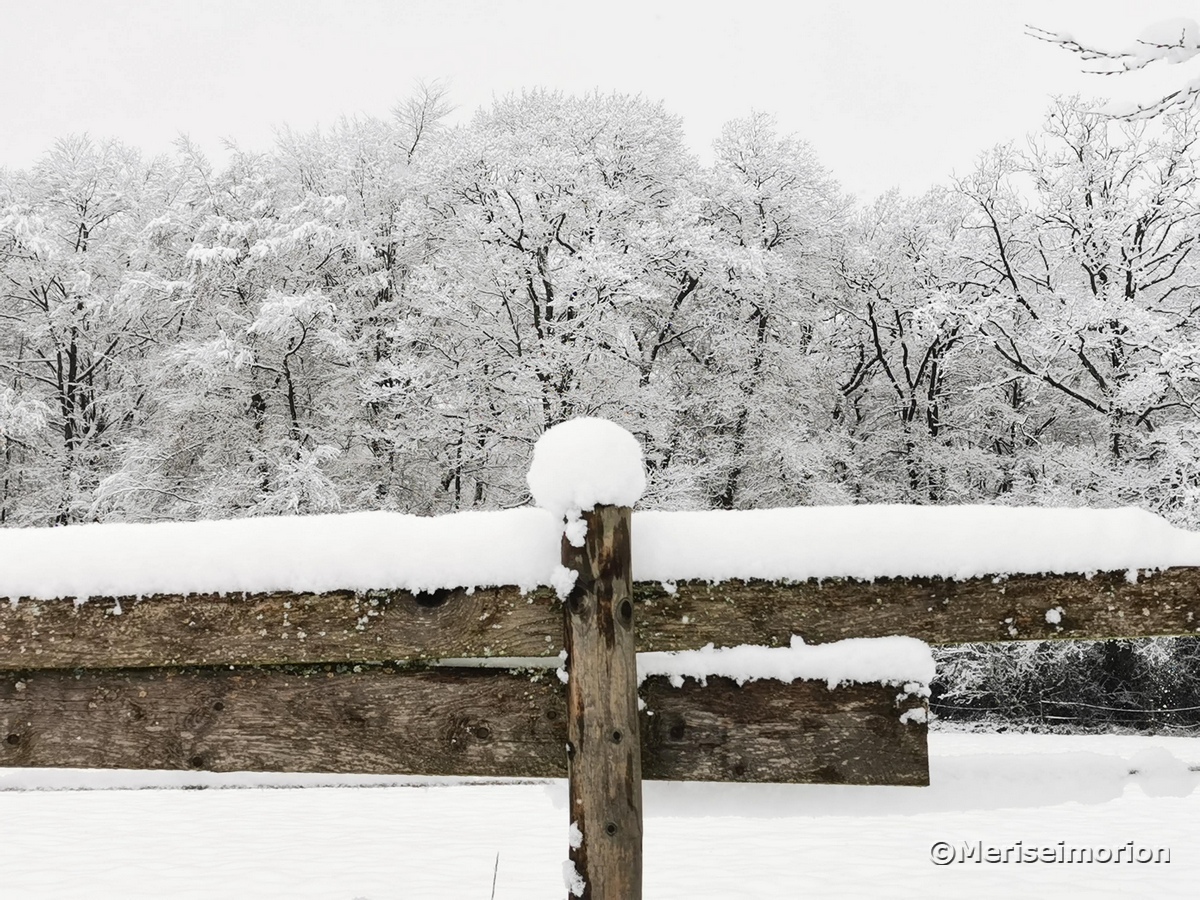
(604, 761)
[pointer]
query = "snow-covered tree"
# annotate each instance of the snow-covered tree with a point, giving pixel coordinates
(560, 256)
(915, 382)
(756, 339)
(1171, 41)
(1087, 288)
(83, 301)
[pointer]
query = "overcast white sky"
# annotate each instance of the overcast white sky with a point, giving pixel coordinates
(888, 92)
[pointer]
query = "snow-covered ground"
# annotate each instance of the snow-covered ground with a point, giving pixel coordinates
(427, 838)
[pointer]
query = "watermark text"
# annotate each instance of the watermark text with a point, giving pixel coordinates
(945, 853)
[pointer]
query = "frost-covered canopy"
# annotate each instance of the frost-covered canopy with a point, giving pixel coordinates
(585, 462)
(308, 330)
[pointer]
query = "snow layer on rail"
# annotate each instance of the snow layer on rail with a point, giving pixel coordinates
(886, 660)
(867, 542)
(376, 550)
(353, 551)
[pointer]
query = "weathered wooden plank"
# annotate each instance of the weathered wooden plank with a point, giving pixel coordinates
(340, 626)
(805, 734)
(604, 760)
(936, 610)
(383, 720)
(277, 628)
(374, 721)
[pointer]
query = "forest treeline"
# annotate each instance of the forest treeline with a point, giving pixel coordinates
(387, 313)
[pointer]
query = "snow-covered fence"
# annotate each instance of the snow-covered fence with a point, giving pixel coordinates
(321, 644)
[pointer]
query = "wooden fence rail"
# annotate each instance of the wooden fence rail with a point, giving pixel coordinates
(68, 670)
(387, 720)
(385, 626)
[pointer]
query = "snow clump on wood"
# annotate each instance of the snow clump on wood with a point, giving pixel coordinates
(886, 660)
(583, 463)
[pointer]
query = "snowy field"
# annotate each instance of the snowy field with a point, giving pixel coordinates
(428, 838)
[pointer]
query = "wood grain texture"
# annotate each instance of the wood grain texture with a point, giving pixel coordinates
(936, 610)
(277, 628)
(445, 722)
(437, 722)
(340, 626)
(604, 760)
(804, 734)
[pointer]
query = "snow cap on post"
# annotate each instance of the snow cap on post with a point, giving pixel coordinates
(583, 463)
